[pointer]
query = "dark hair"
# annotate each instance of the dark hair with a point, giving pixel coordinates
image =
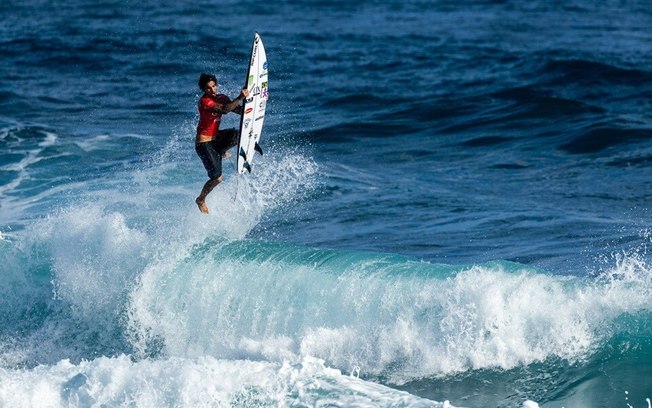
(204, 79)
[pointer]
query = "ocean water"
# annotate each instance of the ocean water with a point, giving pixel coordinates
(452, 211)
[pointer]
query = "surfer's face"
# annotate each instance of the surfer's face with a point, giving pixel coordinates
(211, 88)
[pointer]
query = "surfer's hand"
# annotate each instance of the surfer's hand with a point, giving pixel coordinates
(245, 92)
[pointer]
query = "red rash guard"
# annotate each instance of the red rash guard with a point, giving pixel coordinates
(209, 121)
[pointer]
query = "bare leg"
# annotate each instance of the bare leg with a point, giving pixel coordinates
(208, 187)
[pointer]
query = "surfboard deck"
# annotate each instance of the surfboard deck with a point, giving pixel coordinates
(253, 110)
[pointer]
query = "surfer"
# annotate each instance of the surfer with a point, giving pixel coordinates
(212, 143)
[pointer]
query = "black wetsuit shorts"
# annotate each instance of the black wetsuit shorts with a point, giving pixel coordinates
(211, 152)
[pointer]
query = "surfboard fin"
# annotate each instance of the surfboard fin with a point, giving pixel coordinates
(243, 154)
(258, 148)
(247, 166)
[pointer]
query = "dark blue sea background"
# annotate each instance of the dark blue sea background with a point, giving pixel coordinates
(453, 208)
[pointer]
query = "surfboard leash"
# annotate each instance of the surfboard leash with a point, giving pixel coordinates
(237, 187)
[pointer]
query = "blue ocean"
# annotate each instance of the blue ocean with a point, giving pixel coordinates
(453, 208)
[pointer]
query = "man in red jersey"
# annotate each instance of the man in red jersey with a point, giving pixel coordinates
(212, 143)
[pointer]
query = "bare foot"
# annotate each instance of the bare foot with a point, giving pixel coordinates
(202, 205)
(226, 155)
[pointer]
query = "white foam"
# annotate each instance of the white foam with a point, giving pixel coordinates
(30, 157)
(95, 257)
(98, 142)
(202, 381)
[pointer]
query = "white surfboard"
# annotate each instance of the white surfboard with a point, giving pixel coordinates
(253, 111)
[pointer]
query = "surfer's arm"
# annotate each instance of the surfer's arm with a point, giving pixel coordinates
(233, 105)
